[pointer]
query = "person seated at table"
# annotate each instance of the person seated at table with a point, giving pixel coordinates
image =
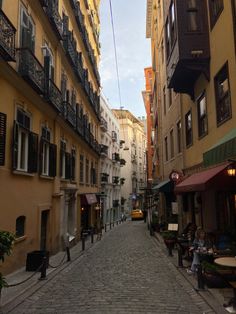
(189, 231)
(200, 244)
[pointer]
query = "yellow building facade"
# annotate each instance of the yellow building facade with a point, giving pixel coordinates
(196, 70)
(50, 123)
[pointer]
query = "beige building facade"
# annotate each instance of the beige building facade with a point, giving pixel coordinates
(50, 123)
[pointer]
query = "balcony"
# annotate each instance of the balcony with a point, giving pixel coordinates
(79, 17)
(69, 113)
(115, 180)
(54, 18)
(115, 203)
(79, 70)
(80, 126)
(69, 45)
(104, 178)
(122, 162)
(103, 124)
(104, 150)
(188, 51)
(31, 70)
(7, 38)
(86, 86)
(115, 157)
(114, 136)
(54, 96)
(122, 181)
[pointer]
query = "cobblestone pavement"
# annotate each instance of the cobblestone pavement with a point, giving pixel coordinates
(125, 272)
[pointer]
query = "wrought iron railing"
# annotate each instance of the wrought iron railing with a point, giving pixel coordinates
(7, 38)
(104, 149)
(31, 70)
(54, 18)
(103, 123)
(54, 96)
(70, 48)
(71, 115)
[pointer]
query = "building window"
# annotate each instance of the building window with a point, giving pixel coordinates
(73, 163)
(27, 31)
(48, 154)
(20, 226)
(48, 62)
(3, 125)
(81, 170)
(202, 115)
(164, 100)
(168, 43)
(172, 23)
(179, 137)
(25, 144)
(171, 144)
(222, 93)
(215, 8)
(166, 148)
(188, 128)
(87, 171)
(193, 16)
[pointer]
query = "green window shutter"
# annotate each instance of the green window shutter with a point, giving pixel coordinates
(33, 153)
(3, 125)
(52, 160)
(15, 145)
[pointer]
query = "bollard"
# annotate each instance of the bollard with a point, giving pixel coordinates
(92, 236)
(200, 279)
(117, 222)
(105, 227)
(110, 225)
(83, 242)
(113, 223)
(180, 258)
(68, 254)
(43, 269)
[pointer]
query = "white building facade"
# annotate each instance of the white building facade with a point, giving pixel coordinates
(133, 158)
(110, 164)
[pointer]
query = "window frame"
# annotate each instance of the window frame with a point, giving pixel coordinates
(220, 101)
(214, 17)
(188, 131)
(202, 118)
(20, 220)
(179, 136)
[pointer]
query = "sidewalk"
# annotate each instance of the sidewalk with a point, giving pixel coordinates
(11, 296)
(214, 297)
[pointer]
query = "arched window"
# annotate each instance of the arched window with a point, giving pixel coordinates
(20, 226)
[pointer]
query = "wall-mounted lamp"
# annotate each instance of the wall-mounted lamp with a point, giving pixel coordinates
(231, 171)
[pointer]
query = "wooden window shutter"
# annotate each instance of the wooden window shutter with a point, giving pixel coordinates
(68, 166)
(52, 160)
(41, 155)
(33, 153)
(3, 125)
(15, 145)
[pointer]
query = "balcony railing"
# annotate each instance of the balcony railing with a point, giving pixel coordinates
(104, 150)
(54, 18)
(122, 162)
(103, 124)
(79, 17)
(115, 203)
(115, 180)
(7, 38)
(31, 70)
(79, 67)
(70, 114)
(80, 126)
(70, 48)
(114, 136)
(104, 178)
(54, 96)
(86, 86)
(115, 157)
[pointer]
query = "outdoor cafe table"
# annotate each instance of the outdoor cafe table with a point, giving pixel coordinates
(231, 263)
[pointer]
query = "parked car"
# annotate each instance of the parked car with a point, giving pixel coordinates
(137, 214)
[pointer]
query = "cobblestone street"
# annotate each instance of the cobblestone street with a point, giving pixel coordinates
(126, 272)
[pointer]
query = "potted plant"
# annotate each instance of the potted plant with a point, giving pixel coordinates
(170, 238)
(6, 243)
(214, 275)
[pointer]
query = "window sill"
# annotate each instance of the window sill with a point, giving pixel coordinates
(46, 177)
(23, 173)
(20, 239)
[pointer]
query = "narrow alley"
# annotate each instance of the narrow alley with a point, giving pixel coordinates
(126, 272)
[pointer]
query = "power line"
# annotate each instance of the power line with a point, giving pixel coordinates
(114, 43)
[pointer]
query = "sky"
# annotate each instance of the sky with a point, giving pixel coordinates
(133, 53)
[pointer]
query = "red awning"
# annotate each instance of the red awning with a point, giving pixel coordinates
(199, 181)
